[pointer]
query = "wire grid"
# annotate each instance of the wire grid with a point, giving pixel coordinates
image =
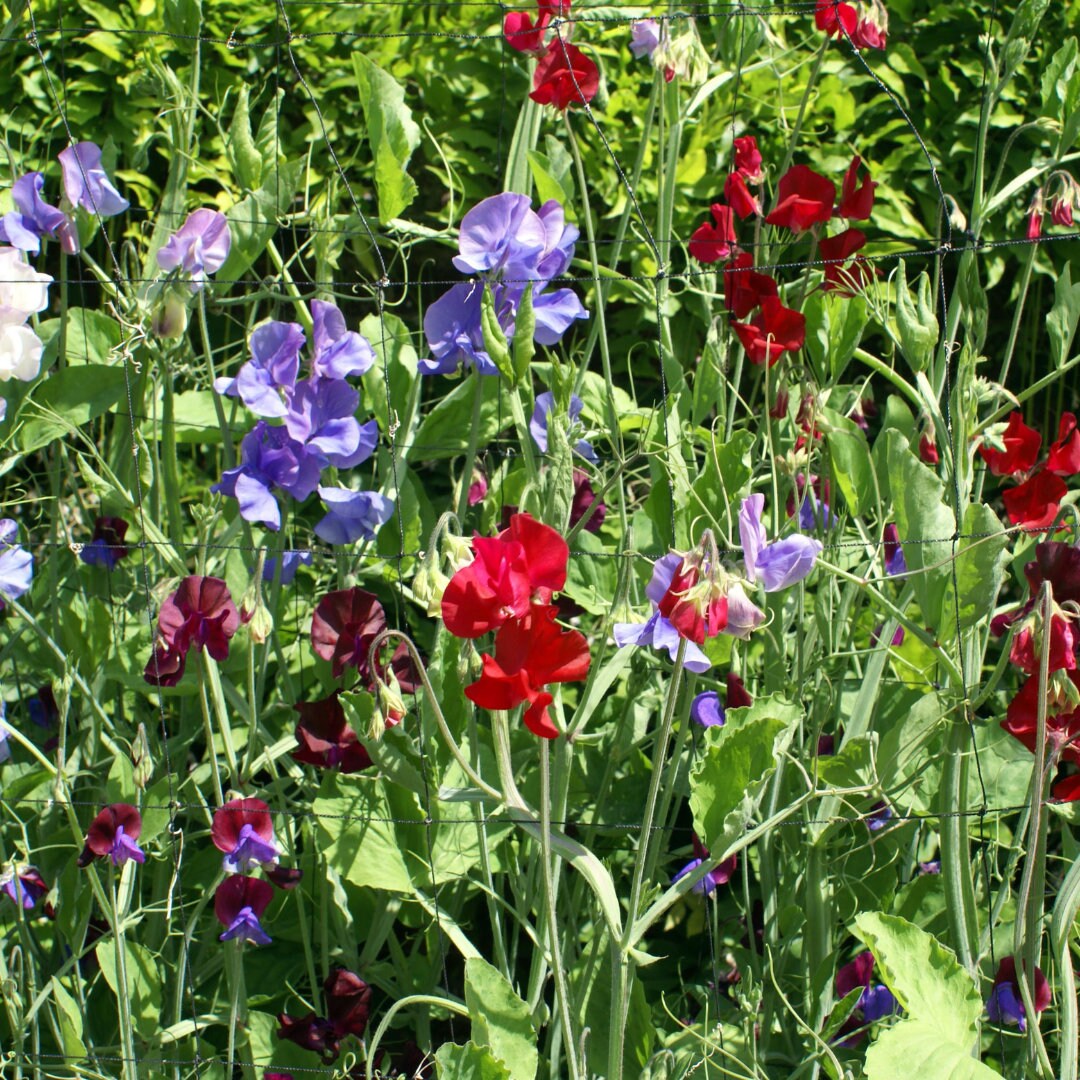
(377, 294)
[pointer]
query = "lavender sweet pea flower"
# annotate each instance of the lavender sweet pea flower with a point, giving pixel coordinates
(779, 564)
(501, 233)
(658, 633)
(291, 561)
(559, 241)
(33, 218)
(86, 183)
(269, 458)
(199, 247)
(125, 847)
(16, 565)
(337, 352)
(538, 424)
(810, 509)
(321, 416)
(554, 313)
(644, 37)
(452, 328)
(353, 515)
(706, 710)
(271, 371)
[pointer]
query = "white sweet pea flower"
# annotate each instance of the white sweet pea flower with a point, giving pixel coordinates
(20, 353)
(23, 290)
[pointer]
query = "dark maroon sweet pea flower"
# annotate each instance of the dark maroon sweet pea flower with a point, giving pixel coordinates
(584, 499)
(42, 707)
(1005, 1004)
(114, 833)
(238, 904)
(343, 627)
(244, 830)
(348, 1005)
(737, 695)
(326, 739)
(719, 875)
(201, 613)
(875, 1003)
(107, 547)
(26, 887)
(284, 877)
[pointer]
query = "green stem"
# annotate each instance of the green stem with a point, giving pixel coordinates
(811, 82)
(228, 453)
(208, 731)
(471, 446)
(234, 964)
(955, 848)
(403, 1003)
(562, 996)
(127, 1042)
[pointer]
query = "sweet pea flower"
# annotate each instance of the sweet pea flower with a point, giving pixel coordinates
(719, 875)
(106, 547)
(344, 625)
(86, 183)
(199, 247)
(847, 279)
(538, 424)
(895, 563)
(585, 502)
(856, 200)
(744, 287)
(804, 199)
(520, 33)
(644, 37)
(264, 382)
(326, 740)
(1012, 450)
(244, 831)
(16, 564)
(712, 243)
(777, 565)
(291, 561)
(321, 417)
(739, 197)
(1005, 1004)
(25, 886)
(772, 332)
(564, 76)
(352, 515)
(337, 353)
(1035, 503)
(707, 710)
(348, 1006)
(20, 353)
(876, 1001)
(1064, 456)
(748, 159)
(23, 291)
(114, 833)
(239, 903)
(33, 218)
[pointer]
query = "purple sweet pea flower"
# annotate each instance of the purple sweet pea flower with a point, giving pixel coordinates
(876, 1001)
(33, 218)
(322, 418)
(269, 459)
(719, 875)
(199, 247)
(251, 850)
(538, 424)
(501, 233)
(452, 328)
(106, 547)
(809, 510)
(238, 904)
(25, 887)
(5, 748)
(124, 847)
(291, 561)
(895, 563)
(879, 816)
(1004, 1007)
(353, 515)
(337, 352)
(16, 565)
(644, 37)
(271, 371)
(706, 710)
(779, 564)
(86, 183)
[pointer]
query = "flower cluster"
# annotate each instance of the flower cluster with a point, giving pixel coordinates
(864, 24)
(200, 613)
(805, 200)
(510, 247)
(564, 75)
(1013, 451)
(1058, 565)
(508, 588)
(318, 428)
(696, 597)
(1061, 196)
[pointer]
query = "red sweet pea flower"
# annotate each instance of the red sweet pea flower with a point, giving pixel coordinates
(830, 16)
(870, 34)
(530, 653)
(1034, 503)
(847, 280)
(1062, 720)
(772, 332)
(1026, 652)
(737, 695)
(928, 451)
(856, 200)
(114, 833)
(325, 738)
(564, 76)
(804, 199)
(244, 831)
(1064, 457)
(200, 613)
(1021, 448)
(744, 287)
(1035, 214)
(239, 904)
(738, 196)
(711, 243)
(748, 159)
(524, 561)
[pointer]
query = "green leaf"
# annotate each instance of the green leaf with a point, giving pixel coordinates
(71, 1020)
(914, 1048)
(143, 983)
(90, 338)
(254, 220)
(195, 418)
(980, 563)
(1061, 322)
(726, 473)
(591, 578)
(500, 1019)
(1022, 32)
(924, 976)
(495, 342)
(847, 320)
(854, 468)
(392, 135)
(728, 776)
(915, 319)
(926, 525)
(468, 1062)
(444, 431)
(244, 157)
(182, 17)
(71, 397)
